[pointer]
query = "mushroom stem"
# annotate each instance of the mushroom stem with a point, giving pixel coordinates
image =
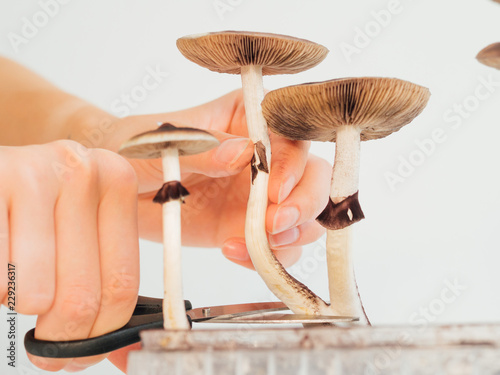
(344, 295)
(253, 94)
(294, 294)
(345, 177)
(174, 312)
(345, 181)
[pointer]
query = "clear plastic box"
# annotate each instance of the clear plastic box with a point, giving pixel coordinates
(437, 350)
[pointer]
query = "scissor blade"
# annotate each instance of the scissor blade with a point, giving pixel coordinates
(243, 309)
(280, 318)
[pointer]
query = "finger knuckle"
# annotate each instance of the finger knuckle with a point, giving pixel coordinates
(126, 178)
(73, 164)
(80, 304)
(121, 173)
(282, 161)
(121, 296)
(70, 151)
(121, 291)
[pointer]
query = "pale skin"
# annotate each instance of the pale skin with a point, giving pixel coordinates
(72, 210)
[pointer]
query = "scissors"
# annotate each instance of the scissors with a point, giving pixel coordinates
(148, 315)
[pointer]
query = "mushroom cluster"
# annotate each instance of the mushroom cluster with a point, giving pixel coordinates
(253, 55)
(345, 111)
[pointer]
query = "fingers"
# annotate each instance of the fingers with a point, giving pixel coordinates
(229, 158)
(78, 289)
(235, 250)
(69, 224)
(226, 114)
(118, 245)
(291, 224)
(306, 201)
(288, 161)
(284, 245)
(118, 248)
(297, 236)
(32, 244)
(289, 256)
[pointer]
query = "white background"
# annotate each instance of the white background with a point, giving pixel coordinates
(438, 226)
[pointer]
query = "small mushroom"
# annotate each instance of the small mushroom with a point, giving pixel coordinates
(169, 142)
(253, 55)
(344, 111)
(490, 56)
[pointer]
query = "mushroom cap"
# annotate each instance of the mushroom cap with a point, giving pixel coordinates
(490, 56)
(148, 145)
(314, 111)
(228, 51)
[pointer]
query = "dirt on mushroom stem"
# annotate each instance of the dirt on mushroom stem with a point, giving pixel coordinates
(296, 295)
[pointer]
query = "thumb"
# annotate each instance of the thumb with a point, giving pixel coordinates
(229, 158)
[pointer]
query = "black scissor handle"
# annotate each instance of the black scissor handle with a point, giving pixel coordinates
(148, 305)
(146, 316)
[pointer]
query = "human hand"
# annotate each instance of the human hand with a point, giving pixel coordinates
(68, 222)
(219, 183)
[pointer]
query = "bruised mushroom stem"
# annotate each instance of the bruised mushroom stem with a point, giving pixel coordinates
(295, 295)
(171, 190)
(342, 211)
(174, 312)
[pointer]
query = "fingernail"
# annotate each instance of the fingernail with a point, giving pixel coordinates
(285, 218)
(235, 249)
(286, 188)
(231, 149)
(285, 238)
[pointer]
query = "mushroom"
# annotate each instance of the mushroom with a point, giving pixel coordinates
(169, 142)
(344, 111)
(490, 56)
(253, 55)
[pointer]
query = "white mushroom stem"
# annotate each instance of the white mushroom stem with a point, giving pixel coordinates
(294, 294)
(345, 177)
(344, 295)
(174, 311)
(345, 182)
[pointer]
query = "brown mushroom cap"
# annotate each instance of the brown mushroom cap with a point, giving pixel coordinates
(188, 141)
(490, 56)
(314, 111)
(228, 51)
